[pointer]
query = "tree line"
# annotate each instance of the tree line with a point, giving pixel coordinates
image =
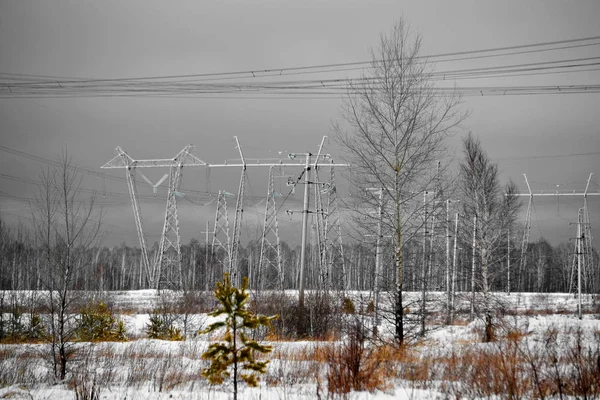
(547, 268)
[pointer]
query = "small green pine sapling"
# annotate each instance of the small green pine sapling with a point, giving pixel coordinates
(236, 349)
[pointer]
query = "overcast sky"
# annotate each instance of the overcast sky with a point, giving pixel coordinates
(67, 40)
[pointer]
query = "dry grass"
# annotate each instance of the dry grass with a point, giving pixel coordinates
(558, 362)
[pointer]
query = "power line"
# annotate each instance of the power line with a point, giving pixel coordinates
(57, 164)
(548, 156)
(308, 67)
(145, 87)
(332, 93)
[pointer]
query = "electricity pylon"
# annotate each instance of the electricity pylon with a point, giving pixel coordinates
(221, 242)
(237, 222)
(525, 240)
(233, 243)
(166, 272)
(311, 162)
(321, 218)
(584, 237)
(583, 258)
(334, 248)
(270, 274)
(329, 234)
(244, 164)
(588, 259)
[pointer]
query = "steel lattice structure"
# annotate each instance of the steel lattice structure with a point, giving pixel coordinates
(221, 242)
(583, 243)
(270, 270)
(237, 228)
(333, 234)
(166, 271)
(311, 162)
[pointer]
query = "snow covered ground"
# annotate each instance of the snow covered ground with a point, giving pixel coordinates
(535, 330)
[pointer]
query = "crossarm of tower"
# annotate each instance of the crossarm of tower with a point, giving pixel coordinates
(184, 159)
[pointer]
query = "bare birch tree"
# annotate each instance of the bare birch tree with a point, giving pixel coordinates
(68, 227)
(395, 125)
(494, 208)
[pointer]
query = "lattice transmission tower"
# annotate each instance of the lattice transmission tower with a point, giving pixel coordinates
(320, 222)
(233, 243)
(269, 235)
(582, 258)
(221, 241)
(334, 246)
(270, 273)
(165, 273)
(328, 227)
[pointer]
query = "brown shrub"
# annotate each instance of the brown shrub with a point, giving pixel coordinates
(319, 319)
(354, 365)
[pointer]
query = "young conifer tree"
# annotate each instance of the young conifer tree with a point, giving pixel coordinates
(236, 350)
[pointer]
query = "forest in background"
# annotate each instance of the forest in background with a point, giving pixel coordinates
(547, 268)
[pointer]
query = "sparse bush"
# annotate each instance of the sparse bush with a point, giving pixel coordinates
(371, 307)
(348, 306)
(17, 366)
(320, 319)
(85, 387)
(175, 315)
(23, 323)
(37, 330)
(583, 376)
(353, 364)
(188, 306)
(161, 326)
(324, 318)
(97, 323)
(12, 330)
(276, 303)
(87, 380)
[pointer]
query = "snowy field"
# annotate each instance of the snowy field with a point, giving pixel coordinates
(542, 350)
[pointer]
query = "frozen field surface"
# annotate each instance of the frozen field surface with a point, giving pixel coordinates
(535, 329)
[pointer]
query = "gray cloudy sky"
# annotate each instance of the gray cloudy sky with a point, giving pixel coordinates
(68, 40)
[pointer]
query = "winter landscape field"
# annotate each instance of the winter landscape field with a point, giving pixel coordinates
(261, 200)
(540, 349)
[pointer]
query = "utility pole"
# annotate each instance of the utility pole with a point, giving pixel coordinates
(508, 260)
(579, 240)
(473, 266)
(454, 267)
(425, 265)
(207, 267)
(588, 261)
(305, 211)
(579, 252)
(378, 271)
(525, 242)
(448, 249)
(237, 222)
(448, 267)
(309, 165)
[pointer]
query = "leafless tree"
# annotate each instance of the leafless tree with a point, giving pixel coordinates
(395, 125)
(68, 227)
(492, 209)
